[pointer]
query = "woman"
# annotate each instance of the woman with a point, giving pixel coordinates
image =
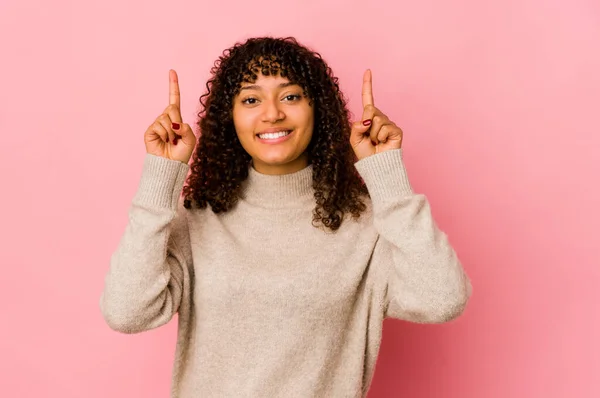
(278, 292)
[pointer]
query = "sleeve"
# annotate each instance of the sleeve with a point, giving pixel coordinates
(425, 281)
(149, 273)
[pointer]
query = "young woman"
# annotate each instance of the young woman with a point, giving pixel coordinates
(279, 293)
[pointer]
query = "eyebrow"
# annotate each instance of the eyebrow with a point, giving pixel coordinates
(257, 87)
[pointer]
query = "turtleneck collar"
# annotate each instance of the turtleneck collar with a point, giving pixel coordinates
(278, 191)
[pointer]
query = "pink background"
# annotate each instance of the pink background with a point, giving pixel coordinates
(499, 102)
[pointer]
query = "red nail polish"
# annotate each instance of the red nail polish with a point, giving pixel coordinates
(174, 141)
(367, 122)
(175, 126)
(167, 139)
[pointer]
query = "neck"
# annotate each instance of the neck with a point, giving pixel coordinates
(279, 169)
(290, 190)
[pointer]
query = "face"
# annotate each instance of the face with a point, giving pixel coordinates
(273, 106)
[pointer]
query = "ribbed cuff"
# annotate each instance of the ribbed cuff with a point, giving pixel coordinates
(385, 175)
(161, 182)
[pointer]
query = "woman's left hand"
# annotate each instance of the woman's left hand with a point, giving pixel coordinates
(376, 133)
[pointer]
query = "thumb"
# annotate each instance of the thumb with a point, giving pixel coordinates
(187, 134)
(359, 132)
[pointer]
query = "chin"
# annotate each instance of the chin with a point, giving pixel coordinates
(276, 161)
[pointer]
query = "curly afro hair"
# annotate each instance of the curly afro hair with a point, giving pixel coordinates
(220, 163)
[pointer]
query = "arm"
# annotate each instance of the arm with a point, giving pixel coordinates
(149, 271)
(425, 282)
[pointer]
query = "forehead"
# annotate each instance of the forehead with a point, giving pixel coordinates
(267, 73)
(267, 82)
(267, 65)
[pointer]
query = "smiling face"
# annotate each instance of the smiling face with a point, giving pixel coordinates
(274, 106)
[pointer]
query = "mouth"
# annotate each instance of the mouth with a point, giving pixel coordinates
(274, 134)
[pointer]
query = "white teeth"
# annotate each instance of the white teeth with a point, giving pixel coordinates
(271, 136)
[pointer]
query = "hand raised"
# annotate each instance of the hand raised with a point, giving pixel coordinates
(375, 133)
(168, 136)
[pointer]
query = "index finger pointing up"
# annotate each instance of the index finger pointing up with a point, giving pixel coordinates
(173, 88)
(367, 89)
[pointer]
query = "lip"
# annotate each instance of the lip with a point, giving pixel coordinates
(276, 140)
(274, 130)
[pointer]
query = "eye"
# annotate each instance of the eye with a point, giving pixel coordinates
(292, 97)
(249, 101)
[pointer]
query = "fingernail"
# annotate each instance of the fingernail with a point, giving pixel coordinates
(174, 141)
(367, 122)
(175, 126)
(167, 139)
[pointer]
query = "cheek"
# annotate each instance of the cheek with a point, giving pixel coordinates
(304, 117)
(243, 122)
(310, 120)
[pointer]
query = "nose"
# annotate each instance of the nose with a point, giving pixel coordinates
(272, 111)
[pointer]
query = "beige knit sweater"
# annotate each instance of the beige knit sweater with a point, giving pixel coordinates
(268, 305)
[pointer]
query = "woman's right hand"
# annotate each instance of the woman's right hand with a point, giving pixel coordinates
(168, 136)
